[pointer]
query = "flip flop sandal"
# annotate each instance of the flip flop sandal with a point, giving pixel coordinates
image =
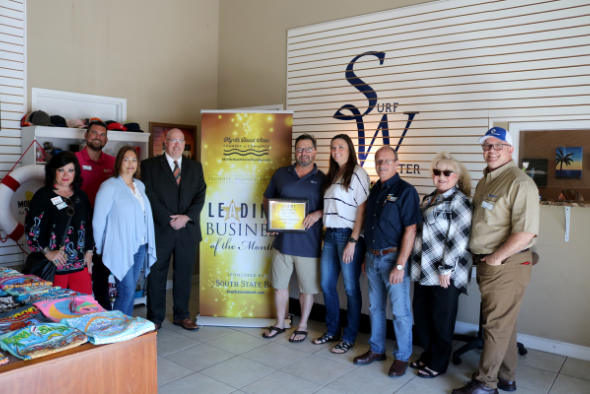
(325, 339)
(427, 374)
(417, 364)
(271, 329)
(296, 332)
(344, 346)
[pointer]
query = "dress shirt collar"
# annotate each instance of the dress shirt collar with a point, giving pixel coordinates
(171, 161)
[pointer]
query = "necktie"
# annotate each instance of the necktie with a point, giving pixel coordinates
(176, 172)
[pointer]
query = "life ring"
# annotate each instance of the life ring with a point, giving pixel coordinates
(10, 184)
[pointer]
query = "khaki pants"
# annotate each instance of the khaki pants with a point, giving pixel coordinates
(502, 290)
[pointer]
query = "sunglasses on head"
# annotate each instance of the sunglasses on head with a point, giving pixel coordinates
(447, 173)
(70, 210)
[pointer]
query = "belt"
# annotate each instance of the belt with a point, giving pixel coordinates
(382, 252)
(481, 256)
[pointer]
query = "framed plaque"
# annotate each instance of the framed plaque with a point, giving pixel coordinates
(287, 215)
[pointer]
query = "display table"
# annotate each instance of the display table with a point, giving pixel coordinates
(125, 367)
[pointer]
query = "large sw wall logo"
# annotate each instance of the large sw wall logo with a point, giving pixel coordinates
(357, 116)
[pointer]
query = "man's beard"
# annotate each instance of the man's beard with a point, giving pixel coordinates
(95, 148)
(304, 163)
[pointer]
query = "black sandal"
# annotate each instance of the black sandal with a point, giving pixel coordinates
(325, 339)
(271, 329)
(343, 345)
(417, 364)
(427, 373)
(296, 333)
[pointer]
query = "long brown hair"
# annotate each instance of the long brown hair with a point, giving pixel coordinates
(348, 169)
(119, 161)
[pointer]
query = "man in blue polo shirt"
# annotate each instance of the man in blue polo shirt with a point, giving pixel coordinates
(393, 211)
(300, 250)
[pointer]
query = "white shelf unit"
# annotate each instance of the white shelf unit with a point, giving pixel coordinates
(62, 138)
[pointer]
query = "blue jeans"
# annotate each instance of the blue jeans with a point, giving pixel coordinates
(331, 265)
(126, 286)
(378, 269)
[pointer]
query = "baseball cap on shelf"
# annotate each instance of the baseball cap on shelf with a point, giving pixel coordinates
(116, 127)
(76, 123)
(58, 121)
(134, 127)
(499, 133)
(87, 121)
(37, 118)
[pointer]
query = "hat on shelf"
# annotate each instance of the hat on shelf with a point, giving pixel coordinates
(134, 127)
(89, 120)
(73, 123)
(58, 121)
(116, 127)
(36, 118)
(108, 122)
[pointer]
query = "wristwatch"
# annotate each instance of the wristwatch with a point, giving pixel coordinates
(352, 240)
(399, 267)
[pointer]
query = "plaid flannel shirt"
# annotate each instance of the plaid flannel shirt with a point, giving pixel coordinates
(441, 244)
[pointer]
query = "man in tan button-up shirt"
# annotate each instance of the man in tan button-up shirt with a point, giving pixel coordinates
(504, 227)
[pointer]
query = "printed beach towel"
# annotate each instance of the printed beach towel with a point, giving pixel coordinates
(66, 308)
(3, 359)
(8, 303)
(110, 327)
(54, 293)
(41, 340)
(23, 284)
(7, 273)
(21, 318)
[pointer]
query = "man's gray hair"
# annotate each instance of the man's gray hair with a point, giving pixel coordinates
(387, 147)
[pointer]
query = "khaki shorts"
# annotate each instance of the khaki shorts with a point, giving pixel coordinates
(308, 272)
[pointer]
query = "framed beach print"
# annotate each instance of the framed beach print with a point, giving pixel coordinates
(158, 133)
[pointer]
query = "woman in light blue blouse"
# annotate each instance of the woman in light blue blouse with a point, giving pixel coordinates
(124, 227)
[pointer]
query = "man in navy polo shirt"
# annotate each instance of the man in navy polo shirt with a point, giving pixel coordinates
(302, 251)
(393, 211)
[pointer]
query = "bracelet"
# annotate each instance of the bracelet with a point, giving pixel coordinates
(45, 250)
(91, 252)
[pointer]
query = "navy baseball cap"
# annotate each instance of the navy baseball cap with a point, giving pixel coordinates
(499, 133)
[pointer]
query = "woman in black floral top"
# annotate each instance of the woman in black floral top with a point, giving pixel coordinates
(47, 218)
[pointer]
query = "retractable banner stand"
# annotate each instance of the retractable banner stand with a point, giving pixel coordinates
(240, 151)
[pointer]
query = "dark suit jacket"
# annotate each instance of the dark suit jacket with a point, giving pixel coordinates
(167, 198)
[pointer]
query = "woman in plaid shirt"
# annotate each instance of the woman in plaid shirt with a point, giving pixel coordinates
(441, 263)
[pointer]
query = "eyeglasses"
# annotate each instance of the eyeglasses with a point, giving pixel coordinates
(176, 141)
(70, 210)
(447, 173)
(388, 162)
(306, 150)
(497, 147)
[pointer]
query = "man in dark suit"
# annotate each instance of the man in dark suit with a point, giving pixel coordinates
(176, 189)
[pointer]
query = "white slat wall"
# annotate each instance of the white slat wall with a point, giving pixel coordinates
(12, 99)
(461, 64)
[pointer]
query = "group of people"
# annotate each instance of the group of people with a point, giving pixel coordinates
(94, 217)
(387, 233)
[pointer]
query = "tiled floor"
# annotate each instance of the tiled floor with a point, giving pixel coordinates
(224, 360)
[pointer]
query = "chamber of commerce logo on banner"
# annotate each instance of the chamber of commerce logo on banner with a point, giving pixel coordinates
(240, 152)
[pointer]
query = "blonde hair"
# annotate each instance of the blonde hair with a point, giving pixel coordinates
(464, 182)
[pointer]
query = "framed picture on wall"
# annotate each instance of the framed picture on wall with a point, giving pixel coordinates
(158, 133)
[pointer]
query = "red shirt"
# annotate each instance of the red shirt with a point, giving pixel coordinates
(94, 173)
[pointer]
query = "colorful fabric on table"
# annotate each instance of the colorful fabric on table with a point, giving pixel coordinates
(23, 284)
(8, 303)
(3, 359)
(66, 308)
(8, 273)
(53, 294)
(41, 340)
(21, 318)
(110, 327)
